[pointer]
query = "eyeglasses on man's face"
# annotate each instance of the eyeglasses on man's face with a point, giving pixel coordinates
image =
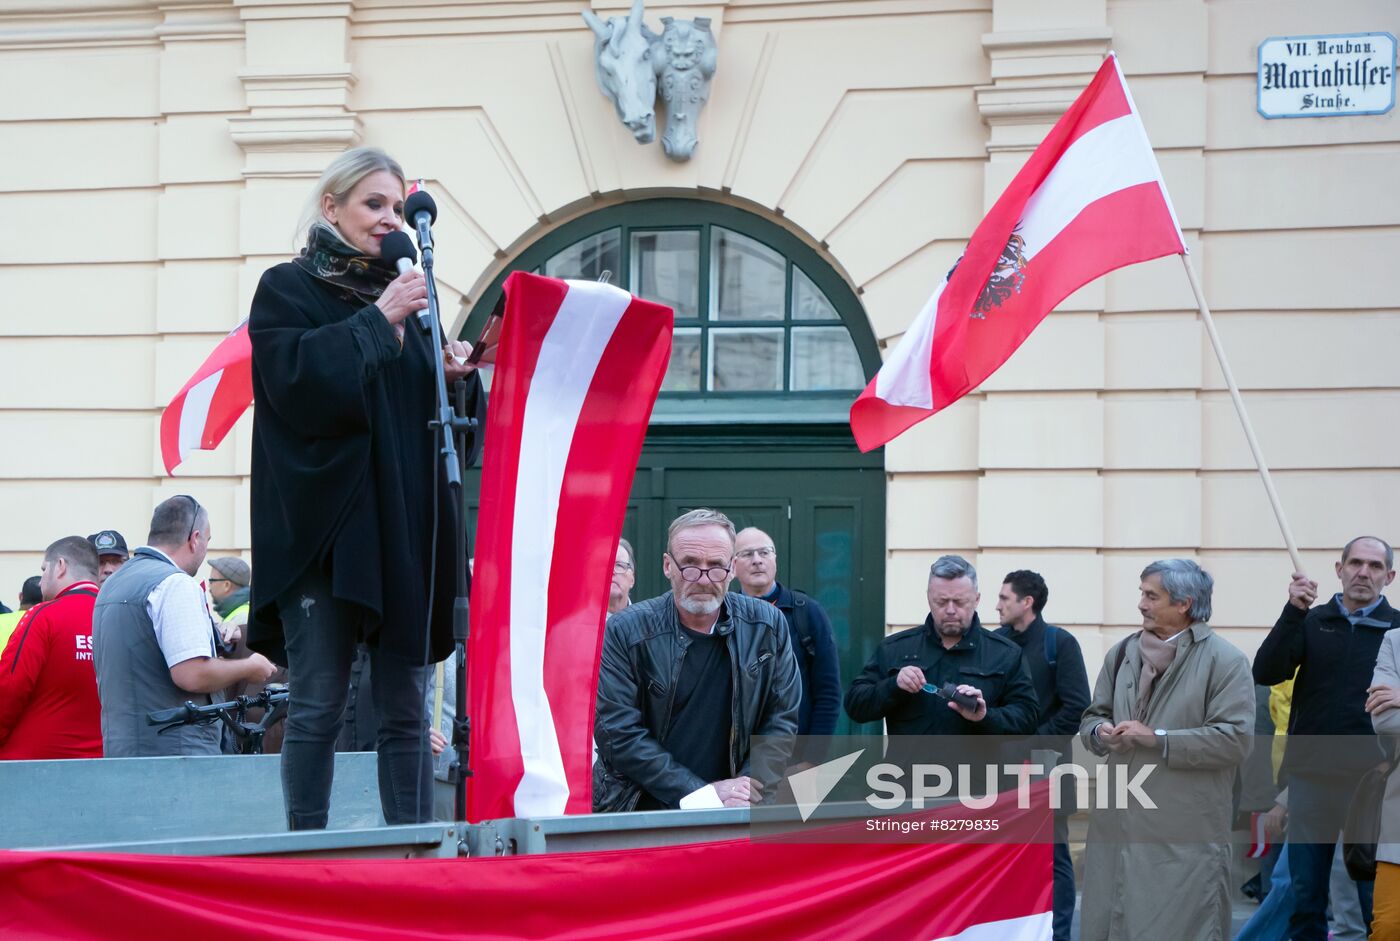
(761, 552)
(621, 567)
(693, 573)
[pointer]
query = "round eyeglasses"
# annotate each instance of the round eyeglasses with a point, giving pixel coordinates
(693, 573)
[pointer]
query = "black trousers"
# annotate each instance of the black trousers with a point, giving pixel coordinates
(320, 634)
(1064, 882)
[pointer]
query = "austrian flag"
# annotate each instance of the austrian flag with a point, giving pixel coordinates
(578, 369)
(211, 402)
(1089, 200)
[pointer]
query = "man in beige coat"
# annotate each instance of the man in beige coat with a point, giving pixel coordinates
(1383, 703)
(1172, 711)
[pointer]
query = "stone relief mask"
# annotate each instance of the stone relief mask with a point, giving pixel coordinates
(629, 59)
(684, 59)
(622, 59)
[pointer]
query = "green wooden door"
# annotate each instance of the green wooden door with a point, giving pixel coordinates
(823, 504)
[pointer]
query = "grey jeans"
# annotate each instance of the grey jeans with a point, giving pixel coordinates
(321, 634)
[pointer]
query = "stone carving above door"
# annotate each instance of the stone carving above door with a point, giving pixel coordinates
(629, 59)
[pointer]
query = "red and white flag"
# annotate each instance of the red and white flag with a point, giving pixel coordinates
(752, 888)
(220, 391)
(1089, 200)
(577, 372)
(1259, 841)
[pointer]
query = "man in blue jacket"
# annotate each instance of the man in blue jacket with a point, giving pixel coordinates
(756, 569)
(1333, 647)
(1056, 666)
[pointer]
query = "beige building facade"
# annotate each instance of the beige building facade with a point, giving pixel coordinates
(154, 158)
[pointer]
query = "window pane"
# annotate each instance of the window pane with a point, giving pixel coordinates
(586, 259)
(746, 278)
(808, 301)
(666, 269)
(824, 358)
(746, 359)
(683, 373)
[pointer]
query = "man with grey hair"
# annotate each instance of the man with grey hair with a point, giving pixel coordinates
(1172, 711)
(154, 640)
(900, 681)
(688, 679)
(1333, 649)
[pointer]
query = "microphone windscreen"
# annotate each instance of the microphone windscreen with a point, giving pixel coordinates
(419, 202)
(397, 245)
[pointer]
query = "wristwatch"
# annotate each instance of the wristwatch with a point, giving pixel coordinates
(1161, 739)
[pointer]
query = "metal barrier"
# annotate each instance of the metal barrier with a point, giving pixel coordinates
(231, 805)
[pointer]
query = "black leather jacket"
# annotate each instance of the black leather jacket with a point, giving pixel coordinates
(642, 653)
(993, 664)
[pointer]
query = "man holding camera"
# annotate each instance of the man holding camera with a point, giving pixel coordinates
(904, 679)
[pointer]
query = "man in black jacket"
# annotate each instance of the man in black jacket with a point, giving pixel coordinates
(950, 647)
(814, 643)
(1333, 648)
(686, 681)
(1062, 687)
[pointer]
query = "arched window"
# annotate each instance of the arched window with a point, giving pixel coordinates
(759, 314)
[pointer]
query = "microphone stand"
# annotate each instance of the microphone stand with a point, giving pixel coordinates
(452, 424)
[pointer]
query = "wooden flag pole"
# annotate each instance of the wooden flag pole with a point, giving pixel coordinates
(1244, 416)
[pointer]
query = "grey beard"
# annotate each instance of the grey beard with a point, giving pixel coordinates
(699, 605)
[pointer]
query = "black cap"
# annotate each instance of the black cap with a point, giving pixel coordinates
(31, 594)
(109, 542)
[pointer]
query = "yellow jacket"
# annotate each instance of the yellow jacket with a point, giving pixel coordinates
(1280, 705)
(8, 623)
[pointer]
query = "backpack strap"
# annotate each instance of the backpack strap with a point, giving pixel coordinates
(802, 621)
(1051, 644)
(1118, 663)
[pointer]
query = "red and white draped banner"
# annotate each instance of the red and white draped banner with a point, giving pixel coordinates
(706, 892)
(578, 370)
(204, 410)
(1090, 199)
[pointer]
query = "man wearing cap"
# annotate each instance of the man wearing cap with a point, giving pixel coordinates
(111, 552)
(229, 581)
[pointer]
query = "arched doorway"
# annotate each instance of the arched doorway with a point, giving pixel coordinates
(771, 346)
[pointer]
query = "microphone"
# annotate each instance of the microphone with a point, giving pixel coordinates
(397, 248)
(421, 212)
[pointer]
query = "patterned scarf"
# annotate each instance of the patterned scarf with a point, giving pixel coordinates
(330, 259)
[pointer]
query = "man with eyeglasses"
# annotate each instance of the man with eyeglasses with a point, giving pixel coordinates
(154, 644)
(688, 679)
(624, 577)
(814, 643)
(229, 583)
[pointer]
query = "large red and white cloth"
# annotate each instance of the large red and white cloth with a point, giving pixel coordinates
(1090, 199)
(207, 406)
(578, 369)
(703, 892)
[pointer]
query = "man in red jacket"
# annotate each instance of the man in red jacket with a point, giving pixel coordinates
(48, 691)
